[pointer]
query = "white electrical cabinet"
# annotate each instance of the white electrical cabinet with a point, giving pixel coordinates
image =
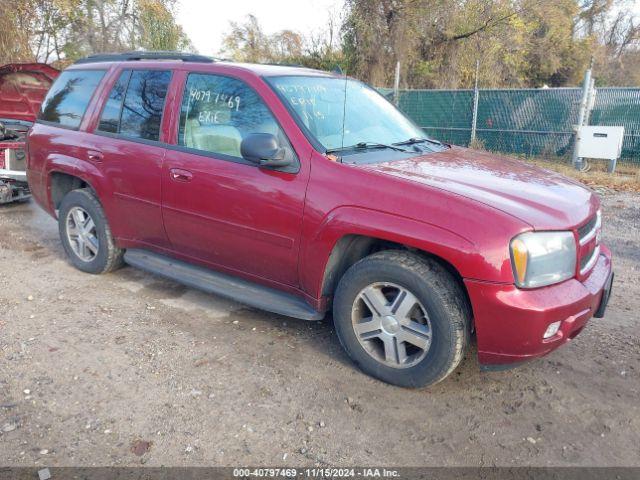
(600, 142)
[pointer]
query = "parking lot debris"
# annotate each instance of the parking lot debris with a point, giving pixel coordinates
(44, 474)
(9, 427)
(140, 447)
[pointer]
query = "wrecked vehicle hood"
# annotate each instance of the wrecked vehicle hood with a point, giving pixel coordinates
(543, 199)
(23, 86)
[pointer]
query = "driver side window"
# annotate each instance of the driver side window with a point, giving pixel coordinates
(218, 112)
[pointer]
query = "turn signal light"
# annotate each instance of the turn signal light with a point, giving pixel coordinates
(520, 256)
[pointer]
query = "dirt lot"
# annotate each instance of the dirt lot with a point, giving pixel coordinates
(127, 368)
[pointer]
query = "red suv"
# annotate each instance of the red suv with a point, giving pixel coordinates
(299, 192)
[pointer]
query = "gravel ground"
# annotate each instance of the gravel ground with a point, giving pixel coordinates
(127, 368)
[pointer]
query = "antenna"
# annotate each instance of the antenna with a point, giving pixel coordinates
(344, 107)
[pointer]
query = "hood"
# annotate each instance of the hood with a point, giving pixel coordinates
(22, 89)
(543, 199)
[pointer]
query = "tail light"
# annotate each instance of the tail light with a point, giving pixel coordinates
(2, 150)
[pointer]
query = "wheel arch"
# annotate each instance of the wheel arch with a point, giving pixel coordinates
(65, 173)
(61, 183)
(351, 248)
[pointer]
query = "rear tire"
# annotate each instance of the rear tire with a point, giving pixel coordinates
(402, 318)
(85, 233)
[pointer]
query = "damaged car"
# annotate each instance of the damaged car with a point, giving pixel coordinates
(22, 89)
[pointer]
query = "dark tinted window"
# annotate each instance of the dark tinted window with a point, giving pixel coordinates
(69, 96)
(219, 112)
(110, 118)
(143, 104)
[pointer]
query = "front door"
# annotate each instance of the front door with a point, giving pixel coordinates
(220, 208)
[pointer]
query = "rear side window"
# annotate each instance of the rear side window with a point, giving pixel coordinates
(143, 104)
(110, 118)
(69, 96)
(135, 104)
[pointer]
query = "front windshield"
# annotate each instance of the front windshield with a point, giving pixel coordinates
(368, 117)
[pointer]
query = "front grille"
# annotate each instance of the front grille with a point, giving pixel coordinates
(588, 261)
(14, 159)
(586, 257)
(584, 230)
(588, 236)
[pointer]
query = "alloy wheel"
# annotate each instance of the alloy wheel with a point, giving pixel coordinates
(391, 325)
(82, 234)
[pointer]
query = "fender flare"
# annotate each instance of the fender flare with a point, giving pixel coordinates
(68, 165)
(347, 221)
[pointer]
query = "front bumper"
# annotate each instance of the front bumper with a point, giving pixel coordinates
(510, 322)
(13, 191)
(16, 175)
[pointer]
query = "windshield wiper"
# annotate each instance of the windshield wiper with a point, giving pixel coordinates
(413, 141)
(365, 146)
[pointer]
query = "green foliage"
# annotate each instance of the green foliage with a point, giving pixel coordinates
(60, 31)
(158, 29)
(519, 43)
(247, 42)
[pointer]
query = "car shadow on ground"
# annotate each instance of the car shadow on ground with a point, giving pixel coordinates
(212, 318)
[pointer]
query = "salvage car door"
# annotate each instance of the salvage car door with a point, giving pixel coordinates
(220, 208)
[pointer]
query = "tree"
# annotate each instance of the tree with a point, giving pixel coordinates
(61, 31)
(14, 38)
(247, 42)
(158, 29)
(518, 42)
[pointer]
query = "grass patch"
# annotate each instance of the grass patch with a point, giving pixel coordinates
(625, 178)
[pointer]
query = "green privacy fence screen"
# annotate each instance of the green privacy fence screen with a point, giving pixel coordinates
(535, 122)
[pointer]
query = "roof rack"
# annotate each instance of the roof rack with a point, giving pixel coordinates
(284, 64)
(141, 55)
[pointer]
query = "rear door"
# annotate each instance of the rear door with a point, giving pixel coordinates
(127, 147)
(219, 208)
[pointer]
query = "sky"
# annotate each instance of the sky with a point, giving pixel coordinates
(206, 21)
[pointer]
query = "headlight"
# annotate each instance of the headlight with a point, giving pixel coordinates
(543, 258)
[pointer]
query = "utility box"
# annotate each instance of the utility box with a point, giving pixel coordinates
(600, 142)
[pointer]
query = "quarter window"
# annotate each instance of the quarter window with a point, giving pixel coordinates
(218, 112)
(69, 96)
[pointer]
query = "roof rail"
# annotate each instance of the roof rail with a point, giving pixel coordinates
(283, 64)
(141, 55)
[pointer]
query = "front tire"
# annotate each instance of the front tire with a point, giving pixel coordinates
(85, 233)
(402, 318)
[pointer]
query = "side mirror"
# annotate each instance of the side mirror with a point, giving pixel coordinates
(263, 149)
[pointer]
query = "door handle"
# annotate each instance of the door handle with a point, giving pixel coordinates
(95, 156)
(180, 175)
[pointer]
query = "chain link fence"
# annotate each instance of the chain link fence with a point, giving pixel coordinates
(532, 122)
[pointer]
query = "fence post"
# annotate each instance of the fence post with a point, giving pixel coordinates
(396, 85)
(582, 115)
(474, 119)
(591, 102)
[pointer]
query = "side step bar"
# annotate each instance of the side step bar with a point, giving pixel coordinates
(242, 291)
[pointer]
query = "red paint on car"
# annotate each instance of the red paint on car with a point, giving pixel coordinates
(279, 228)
